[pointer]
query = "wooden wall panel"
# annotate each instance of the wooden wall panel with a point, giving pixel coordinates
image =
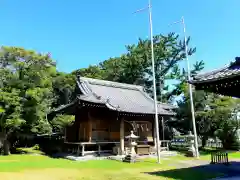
(83, 131)
(115, 136)
(101, 125)
(100, 129)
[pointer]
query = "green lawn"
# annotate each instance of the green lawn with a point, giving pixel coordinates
(206, 155)
(30, 166)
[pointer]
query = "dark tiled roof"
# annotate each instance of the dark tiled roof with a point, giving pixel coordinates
(227, 72)
(60, 108)
(119, 96)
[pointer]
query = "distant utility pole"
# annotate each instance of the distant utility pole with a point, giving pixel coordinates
(190, 86)
(154, 80)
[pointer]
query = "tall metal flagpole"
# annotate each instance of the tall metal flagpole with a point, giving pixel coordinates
(190, 90)
(154, 80)
(190, 87)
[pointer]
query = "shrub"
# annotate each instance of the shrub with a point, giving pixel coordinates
(228, 135)
(50, 144)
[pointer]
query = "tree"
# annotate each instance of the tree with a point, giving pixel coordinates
(10, 115)
(31, 86)
(223, 110)
(213, 115)
(63, 88)
(91, 72)
(181, 77)
(184, 116)
(60, 122)
(26, 91)
(134, 66)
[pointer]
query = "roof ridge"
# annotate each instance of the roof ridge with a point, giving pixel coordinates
(119, 85)
(228, 71)
(229, 65)
(151, 99)
(111, 83)
(92, 93)
(212, 72)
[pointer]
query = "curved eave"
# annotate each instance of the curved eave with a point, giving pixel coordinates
(107, 104)
(90, 96)
(62, 109)
(214, 78)
(92, 99)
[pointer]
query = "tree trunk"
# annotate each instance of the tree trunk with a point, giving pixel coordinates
(6, 147)
(5, 143)
(204, 141)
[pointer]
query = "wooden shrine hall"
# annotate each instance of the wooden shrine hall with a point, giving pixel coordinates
(105, 112)
(224, 81)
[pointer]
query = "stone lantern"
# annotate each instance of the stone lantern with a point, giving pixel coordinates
(131, 156)
(191, 149)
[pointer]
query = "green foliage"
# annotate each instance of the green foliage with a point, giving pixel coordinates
(223, 120)
(62, 121)
(36, 147)
(227, 133)
(213, 115)
(63, 89)
(91, 72)
(10, 110)
(134, 66)
(26, 90)
(30, 86)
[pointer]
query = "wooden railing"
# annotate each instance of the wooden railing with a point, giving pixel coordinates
(219, 158)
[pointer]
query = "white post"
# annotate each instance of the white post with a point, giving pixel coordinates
(154, 82)
(190, 90)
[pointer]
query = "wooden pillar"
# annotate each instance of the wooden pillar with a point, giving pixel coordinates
(65, 134)
(90, 130)
(79, 132)
(99, 149)
(89, 127)
(84, 133)
(122, 136)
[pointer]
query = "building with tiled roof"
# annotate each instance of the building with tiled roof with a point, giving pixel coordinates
(106, 111)
(124, 98)
(223, 81)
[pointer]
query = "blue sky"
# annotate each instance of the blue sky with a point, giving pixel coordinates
(82, 32)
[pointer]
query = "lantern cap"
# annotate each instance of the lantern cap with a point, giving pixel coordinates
(133, 136)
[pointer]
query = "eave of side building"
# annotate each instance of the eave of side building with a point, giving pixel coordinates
(223, 81)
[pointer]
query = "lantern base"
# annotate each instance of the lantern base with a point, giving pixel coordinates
(130, 158)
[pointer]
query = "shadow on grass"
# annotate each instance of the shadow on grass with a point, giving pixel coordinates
(26, 151)
(201, 172)
(50, 154)
(58, 155)
(20, 151)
